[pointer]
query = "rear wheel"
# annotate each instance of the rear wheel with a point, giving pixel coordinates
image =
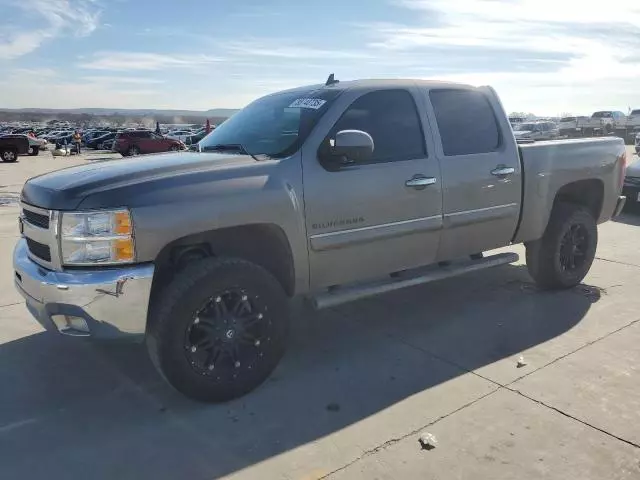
(564, 254)
(33, 151)
(220, 329)
(133, 151)
(8, 154)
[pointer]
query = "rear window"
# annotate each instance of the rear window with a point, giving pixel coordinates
(568, 119)
(466, 122)
(635, 112)
(601, 115)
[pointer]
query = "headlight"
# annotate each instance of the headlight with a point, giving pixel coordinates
(100, 237)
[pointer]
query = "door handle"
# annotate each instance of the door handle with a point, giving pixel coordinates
(501, 171)
(420, 182)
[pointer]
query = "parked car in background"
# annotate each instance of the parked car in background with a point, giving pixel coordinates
(12, 145)
(536, 131)
(136, 142)
(603, 122)
(35, 145)
(637, 143)
(568, 126)
(97, 143)
(195, 138)
(180, 135)
(92, 134)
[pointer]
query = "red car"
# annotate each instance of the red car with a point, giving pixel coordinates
(136, 142)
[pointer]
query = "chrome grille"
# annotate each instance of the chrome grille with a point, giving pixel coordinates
(40, 229)
(37, 219)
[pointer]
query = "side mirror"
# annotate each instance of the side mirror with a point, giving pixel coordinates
(352, 145)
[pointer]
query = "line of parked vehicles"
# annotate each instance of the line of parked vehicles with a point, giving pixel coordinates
(28, 140)
(601, 123)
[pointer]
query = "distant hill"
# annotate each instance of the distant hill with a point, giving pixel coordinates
(215, 112)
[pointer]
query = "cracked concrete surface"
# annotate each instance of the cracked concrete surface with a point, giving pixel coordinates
(358, 386)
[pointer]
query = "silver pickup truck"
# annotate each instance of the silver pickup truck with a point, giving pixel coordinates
(332, 193)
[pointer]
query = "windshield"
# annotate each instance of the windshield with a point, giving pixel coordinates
(275, 125)
(525, 127)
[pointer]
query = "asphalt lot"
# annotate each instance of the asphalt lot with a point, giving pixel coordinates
(358, 386)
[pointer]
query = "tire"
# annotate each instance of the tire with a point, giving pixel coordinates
(9, 155)
(548, 259)
(133, 151)
(174, 148)
(34, 151)
(228, 363)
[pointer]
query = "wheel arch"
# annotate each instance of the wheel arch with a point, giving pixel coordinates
(264, 244)
(587, 193)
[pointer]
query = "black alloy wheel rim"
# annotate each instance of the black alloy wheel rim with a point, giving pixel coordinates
(228, 336)
(573, 248)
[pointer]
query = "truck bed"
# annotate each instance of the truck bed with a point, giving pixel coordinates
(549, 165)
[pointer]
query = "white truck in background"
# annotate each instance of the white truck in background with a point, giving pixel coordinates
(602, 122)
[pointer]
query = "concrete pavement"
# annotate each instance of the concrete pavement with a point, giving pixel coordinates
(358, 386)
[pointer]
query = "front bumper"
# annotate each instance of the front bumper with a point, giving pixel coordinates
(106, 303)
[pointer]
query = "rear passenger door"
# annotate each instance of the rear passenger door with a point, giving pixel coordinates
(480, 170)
(145, 142)
(159, 143)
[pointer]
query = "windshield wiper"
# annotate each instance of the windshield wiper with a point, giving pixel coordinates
(229, 147)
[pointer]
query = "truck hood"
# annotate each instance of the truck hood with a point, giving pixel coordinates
(116, 182)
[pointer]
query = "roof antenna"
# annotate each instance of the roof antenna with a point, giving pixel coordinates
(331, 80)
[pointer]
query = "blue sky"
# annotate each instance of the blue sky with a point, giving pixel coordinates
(543, 56)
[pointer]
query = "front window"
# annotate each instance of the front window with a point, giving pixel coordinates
(275, 125)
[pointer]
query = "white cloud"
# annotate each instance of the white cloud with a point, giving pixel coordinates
(54, 18)
(539, 54)
(125, 80)
(147, 61)
(280, 50)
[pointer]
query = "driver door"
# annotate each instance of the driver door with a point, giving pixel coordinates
(369, 219)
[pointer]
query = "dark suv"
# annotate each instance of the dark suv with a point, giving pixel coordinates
(136, 142)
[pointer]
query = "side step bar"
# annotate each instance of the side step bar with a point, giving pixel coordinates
(408, 279)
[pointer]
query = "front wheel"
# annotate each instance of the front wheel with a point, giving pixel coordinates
(9, 155)
(33, 151)
(220, 329)
(174, 148)
(564, 254)
(133, 151)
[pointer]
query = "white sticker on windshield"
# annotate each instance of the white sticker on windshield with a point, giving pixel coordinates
(314, 103)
